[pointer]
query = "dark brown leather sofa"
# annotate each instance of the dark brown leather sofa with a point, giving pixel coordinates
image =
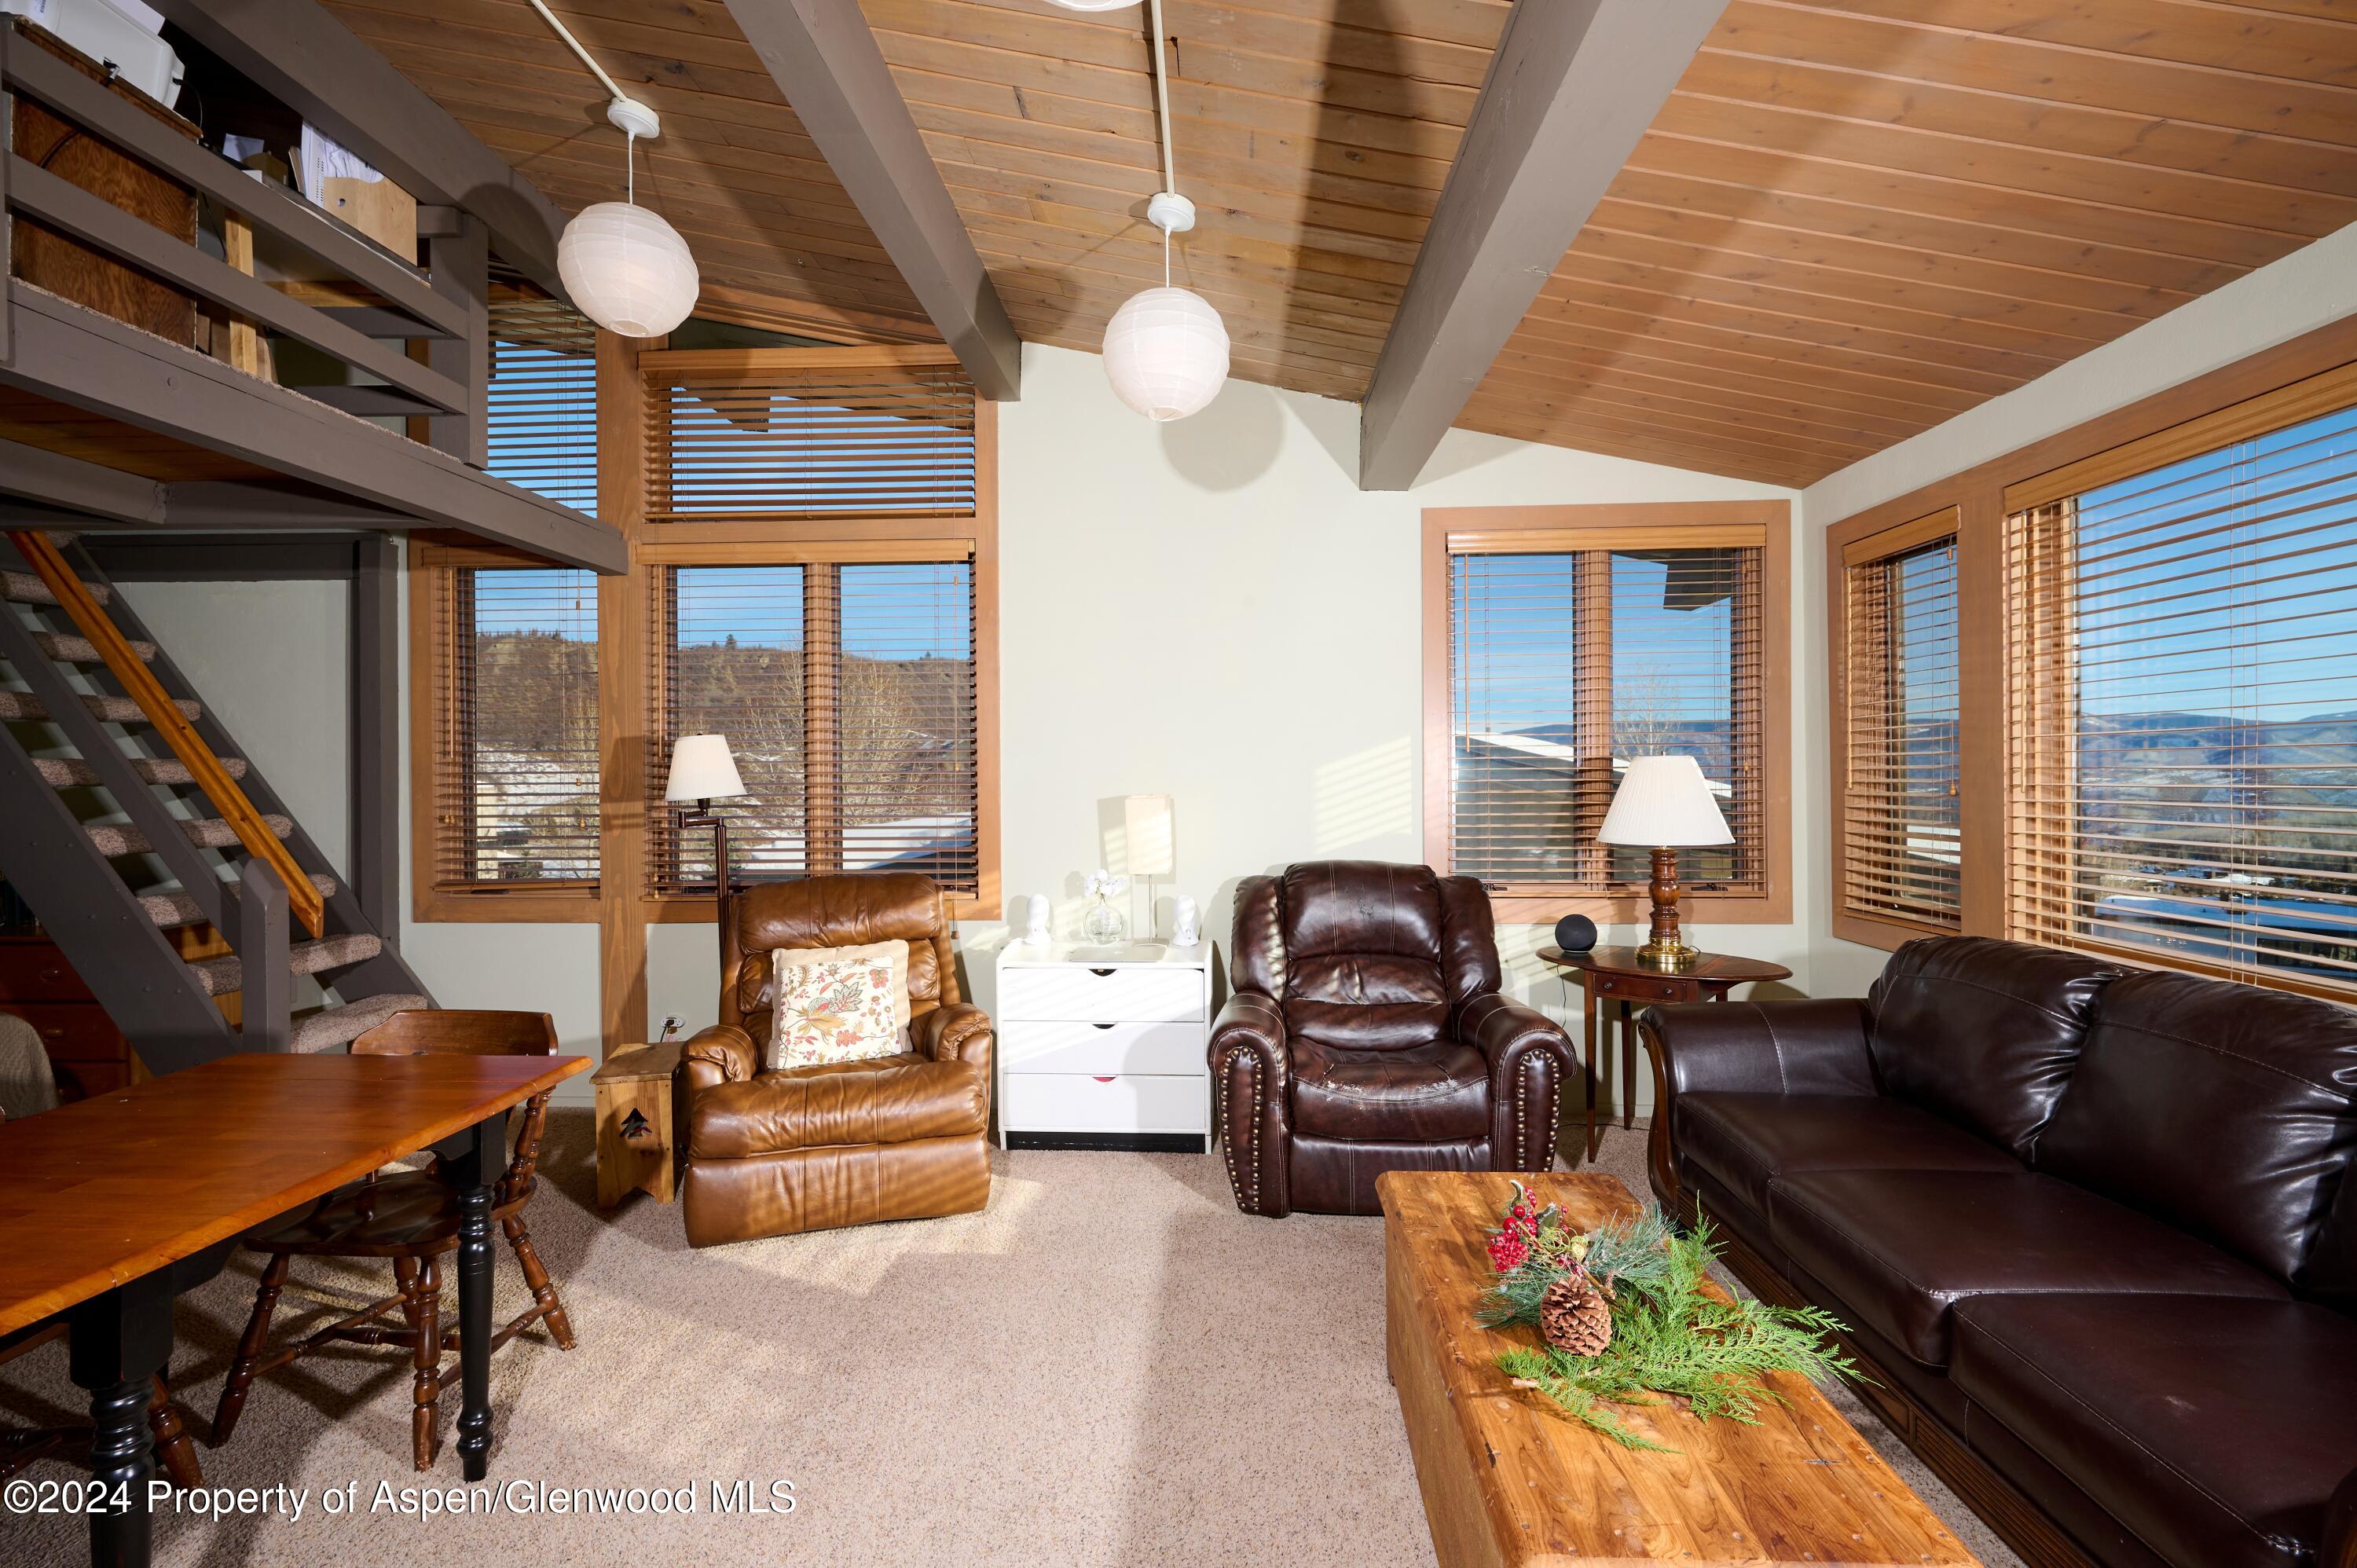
(896, 1137)
(1365, 1034)
(2095, 1231)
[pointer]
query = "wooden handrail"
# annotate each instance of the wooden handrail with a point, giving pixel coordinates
(303, 899)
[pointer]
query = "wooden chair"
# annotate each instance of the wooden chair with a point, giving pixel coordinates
(412, 1218)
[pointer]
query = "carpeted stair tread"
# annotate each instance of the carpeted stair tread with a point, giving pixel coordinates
(220, 976)
(332, 1026)
(174, 908)
(113, 839)
(24, 588)
(68, 648)
(110, 709)
(63, 772)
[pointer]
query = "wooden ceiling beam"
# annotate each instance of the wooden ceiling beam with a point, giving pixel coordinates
(827, 62)
(1569, 92)
(299, 54)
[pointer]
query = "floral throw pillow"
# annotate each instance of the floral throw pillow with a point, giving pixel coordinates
(838, 1005)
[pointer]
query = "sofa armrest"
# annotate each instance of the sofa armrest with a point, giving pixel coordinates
(1530, 1058)
(720, 1054)
(957, 1033)
(1252, 1082)
(2340, 1544)
(1802, 1047)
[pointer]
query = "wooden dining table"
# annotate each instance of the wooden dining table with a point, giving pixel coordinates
(112, 1206)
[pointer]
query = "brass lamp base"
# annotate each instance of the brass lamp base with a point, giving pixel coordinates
(1674, 958)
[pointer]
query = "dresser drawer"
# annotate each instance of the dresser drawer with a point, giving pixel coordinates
(1120, 1102)
(1169, 1047)
(1644, 988)
(1074, 993)
(38, 971)
(73, 1031)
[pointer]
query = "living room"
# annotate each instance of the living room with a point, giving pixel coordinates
(1528, 780)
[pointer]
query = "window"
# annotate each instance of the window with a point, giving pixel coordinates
(543, 408)
(848, 691)
(1901, 808)
(507, 717)
(2182, 724)
(1561, 642)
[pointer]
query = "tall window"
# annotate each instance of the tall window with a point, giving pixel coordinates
(1567, 651)
(543, 409)
(513, 727)
(847, 691)
(2183, 710)
(1900, 701)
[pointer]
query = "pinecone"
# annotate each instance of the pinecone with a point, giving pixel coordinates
(1575, 1316)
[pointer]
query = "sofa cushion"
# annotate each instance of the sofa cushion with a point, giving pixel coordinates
(1900, 1248)
(1983, 1032)
(1744, 1139)
(2262, 1084)
(1435, 1093)
(2213, 1427)
(883, 1099)
(2329, 1273)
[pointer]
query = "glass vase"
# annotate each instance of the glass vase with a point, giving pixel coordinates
(1102, 924)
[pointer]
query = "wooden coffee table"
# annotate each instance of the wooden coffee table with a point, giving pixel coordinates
(1508, 1478)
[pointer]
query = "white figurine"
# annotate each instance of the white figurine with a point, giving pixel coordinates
(1035, 918)
(1184, 917)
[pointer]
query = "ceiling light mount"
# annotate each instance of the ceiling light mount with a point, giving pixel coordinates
(633, 119)
(1170, 212)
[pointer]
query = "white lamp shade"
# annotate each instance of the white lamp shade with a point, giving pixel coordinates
(627, 270)
(702, 769)
(1148, 828)
(1166, 352)
(1663, 802)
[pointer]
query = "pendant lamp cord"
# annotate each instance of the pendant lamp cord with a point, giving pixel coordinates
(630, 168)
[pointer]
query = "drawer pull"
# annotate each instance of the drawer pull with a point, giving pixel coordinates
(1104, 1025)
(1102, 1079)
(1100, 974)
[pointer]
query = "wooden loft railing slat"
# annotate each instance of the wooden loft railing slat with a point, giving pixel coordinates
(260, 842)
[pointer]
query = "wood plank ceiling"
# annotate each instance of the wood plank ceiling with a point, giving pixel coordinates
(1852, 221)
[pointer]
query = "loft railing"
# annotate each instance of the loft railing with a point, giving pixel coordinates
(410, 305)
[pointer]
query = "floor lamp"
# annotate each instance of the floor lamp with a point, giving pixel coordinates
(702, 770)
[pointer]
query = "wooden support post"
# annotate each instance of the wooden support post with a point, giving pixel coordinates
(622, 725)
(460, 265)
(267, 996)
(376, 736)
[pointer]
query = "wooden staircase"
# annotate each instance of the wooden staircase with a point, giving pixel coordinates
(133, 816)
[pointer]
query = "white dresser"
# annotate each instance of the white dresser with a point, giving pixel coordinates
(1103, 1047)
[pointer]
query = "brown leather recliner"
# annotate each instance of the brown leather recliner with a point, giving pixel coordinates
(811, 1148)
(1366, 1033)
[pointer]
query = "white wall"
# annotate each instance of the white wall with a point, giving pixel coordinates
(1210, 609)
(2311, 287)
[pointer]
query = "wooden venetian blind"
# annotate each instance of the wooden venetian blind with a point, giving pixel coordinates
(1900, 805)
(543, 407)
(846, 690)
(749, 434)
(2182, 711)
(1563, 664)
(516, 763)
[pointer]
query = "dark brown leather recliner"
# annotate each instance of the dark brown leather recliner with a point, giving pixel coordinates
(811, 1148)
(1366, 1033)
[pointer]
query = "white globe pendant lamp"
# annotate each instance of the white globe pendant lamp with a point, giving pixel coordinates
(1166, 349)
(627, 269)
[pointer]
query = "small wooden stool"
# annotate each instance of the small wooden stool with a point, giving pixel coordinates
(638, 1149)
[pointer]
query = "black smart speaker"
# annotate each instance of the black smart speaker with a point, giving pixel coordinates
(1575, 933)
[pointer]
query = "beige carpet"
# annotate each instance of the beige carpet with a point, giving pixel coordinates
(1110, 1365)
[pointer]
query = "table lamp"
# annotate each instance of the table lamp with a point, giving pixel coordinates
(702, 770)
(1147, 826)
(1663, 802)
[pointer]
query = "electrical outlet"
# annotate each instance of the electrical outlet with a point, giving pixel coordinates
(671, 1022)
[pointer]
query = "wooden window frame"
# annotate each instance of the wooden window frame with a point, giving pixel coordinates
(1847, 547)
(433, 570)
(787, 541)
(2312, 374)
(1659, 525)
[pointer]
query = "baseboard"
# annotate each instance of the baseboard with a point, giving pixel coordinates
(1115, 1143)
